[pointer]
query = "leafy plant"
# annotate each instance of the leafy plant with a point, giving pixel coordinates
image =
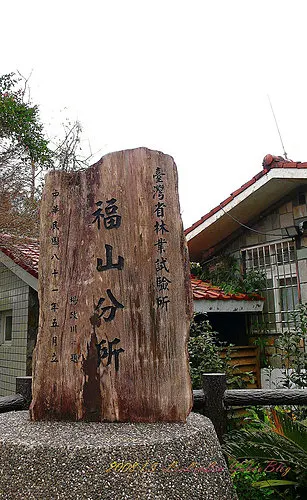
(206, 355)
(203, 350)
(196, 269)
(291, 352)
(262, 342)
(225, 272)
(244, 475)
(26, 153)
(20, 122)
(281, 439)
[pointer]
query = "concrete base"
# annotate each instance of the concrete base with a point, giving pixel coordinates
(100, 461)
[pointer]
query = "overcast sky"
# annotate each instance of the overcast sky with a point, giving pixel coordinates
(187, 78)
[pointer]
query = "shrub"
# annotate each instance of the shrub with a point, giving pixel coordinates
(225, 272)
(203, 349)
(244, 475)
(281, 440)
(205, 355)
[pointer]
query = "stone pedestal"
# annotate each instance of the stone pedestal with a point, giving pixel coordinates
(101, 461)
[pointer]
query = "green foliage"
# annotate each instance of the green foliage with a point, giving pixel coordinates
(254, 281)
(256, 418)
(262, 342)
(196, 269)
(291, 352)
(203, 349)
(225, 272)
(253, 417)
(244, 475)
(20, 122)
(280, 439)
(25, 155)
(205, 355)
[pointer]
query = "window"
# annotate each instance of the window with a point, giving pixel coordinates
(278, 263)
(6, 318)
(288, 298)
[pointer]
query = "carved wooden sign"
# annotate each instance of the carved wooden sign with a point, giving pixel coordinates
(114, 293)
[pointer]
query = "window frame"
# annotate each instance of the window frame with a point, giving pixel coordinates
(277, 259)
(3, 325)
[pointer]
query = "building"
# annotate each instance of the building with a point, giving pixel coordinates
(264, 225)
(19, 307)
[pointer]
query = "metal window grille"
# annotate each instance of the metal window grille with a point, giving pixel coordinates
(278, 263)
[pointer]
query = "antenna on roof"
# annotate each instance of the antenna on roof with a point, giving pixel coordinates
(285, 154)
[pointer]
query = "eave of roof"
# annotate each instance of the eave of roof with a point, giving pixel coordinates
(23, 251)
(277, 179)
(276, 163)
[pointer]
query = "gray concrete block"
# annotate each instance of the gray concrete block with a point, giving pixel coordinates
(252, 239)
(289, 207)
(301, 253)
(283, 209)
(274, 235)
(286, 220)
(275, 220)
(299, 211)
(93, 461)
(304, 292)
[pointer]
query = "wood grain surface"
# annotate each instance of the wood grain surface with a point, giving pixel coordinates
(114, 293)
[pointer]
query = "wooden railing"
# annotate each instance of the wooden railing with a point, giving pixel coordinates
(19, 401)
(214, 399)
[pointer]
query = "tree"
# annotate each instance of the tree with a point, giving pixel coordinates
(23, 144)
(26, 153)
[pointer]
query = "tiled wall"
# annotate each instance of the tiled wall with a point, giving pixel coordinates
(272, 228)
(14, 295)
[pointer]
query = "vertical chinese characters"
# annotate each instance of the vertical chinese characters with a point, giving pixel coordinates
(55, 261)
(106, 217)
(162, 268)
(73, 317)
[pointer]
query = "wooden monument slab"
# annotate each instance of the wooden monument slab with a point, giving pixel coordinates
(114, 293)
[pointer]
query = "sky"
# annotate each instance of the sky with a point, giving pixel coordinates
(189, 78)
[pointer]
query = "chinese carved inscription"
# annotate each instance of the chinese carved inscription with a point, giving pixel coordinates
(115, 298)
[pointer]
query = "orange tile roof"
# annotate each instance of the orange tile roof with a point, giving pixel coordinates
(25, 253)
(207, 291)
(269, 162)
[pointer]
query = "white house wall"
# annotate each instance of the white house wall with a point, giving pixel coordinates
(14, 295)
(225, 306)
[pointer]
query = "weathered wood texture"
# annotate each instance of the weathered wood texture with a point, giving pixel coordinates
(143, 300)
(214, 386)
(245, 397)
(12, 403)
